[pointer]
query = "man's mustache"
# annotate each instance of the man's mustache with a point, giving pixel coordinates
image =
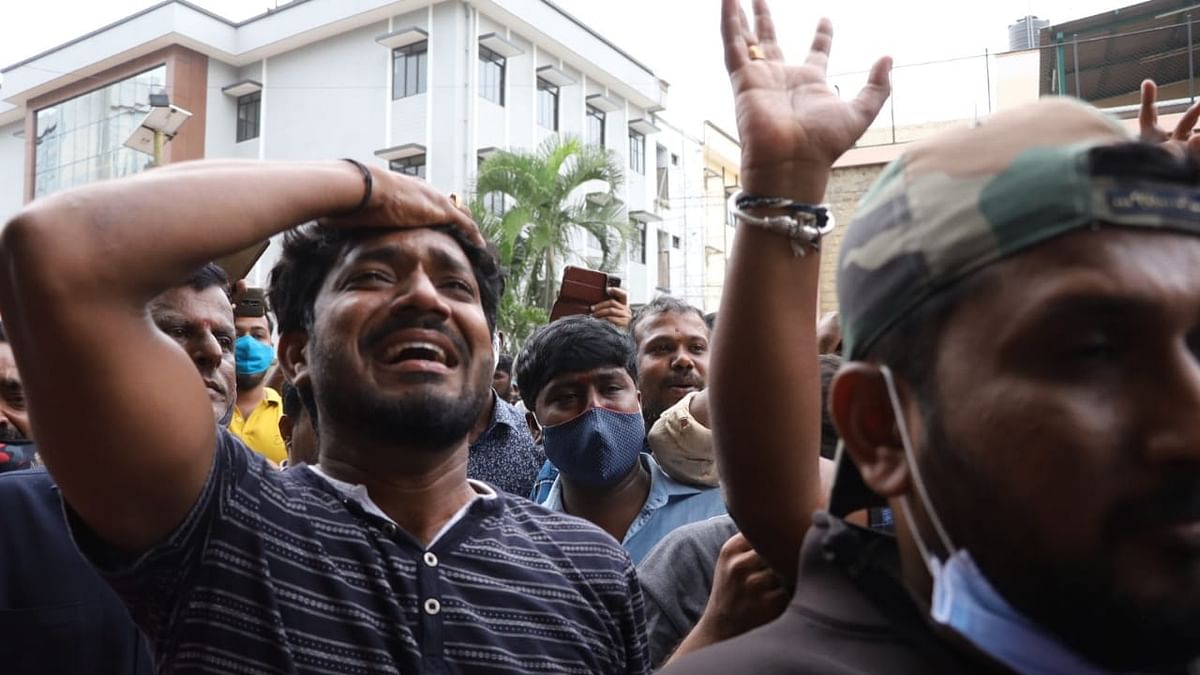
(407, 320)
(1178, 502)
(11, 434)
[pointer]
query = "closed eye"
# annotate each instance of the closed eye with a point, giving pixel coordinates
(368, 277)
(458, 286)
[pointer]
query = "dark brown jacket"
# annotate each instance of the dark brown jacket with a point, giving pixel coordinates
(850, 614)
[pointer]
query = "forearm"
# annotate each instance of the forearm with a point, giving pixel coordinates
(765, 396)
(130, 239)
(699, 637)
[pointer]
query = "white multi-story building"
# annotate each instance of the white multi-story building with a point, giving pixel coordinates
(426, 87)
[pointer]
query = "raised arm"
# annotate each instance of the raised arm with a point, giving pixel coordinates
(765, 389)
(120, 416)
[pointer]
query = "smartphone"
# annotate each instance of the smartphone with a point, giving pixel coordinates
(253, 302)
(581, 288)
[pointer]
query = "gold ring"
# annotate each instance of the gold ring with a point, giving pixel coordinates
(756, 53)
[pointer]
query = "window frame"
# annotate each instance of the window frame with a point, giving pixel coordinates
(245, 130)
(409, 166)
(552, 91)
(594, 113)
(637, 251)
(419, 51)
(490, 59)
(637, 152)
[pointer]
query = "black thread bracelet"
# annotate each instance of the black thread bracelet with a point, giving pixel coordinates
(368, 185)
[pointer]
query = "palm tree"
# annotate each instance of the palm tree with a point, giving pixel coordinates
(563, 188)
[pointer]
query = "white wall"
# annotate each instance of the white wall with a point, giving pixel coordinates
(324, 100)
(220, 136)
(12, 169)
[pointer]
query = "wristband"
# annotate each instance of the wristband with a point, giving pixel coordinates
(368, 185)
(804, 224)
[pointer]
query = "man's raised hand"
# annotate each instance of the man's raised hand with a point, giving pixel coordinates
(1179, 141)
(791, 123)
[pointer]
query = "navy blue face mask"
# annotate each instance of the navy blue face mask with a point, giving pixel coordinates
(596, 448)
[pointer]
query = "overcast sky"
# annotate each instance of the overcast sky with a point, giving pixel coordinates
(678, 39)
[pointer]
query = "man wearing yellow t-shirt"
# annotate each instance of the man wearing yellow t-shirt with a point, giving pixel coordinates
(259, 407)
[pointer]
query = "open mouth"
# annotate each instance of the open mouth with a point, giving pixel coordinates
(683, 386)
(414, 351)
(418, 350)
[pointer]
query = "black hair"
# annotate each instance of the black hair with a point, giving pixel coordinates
(206, 277)
(829, 363)
(663, 304)
(505, 364)
(710, 320)
(311, 251)
(573, 344)
(292, 405)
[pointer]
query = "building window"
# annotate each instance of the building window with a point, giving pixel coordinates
(413, 166)
(663, 178)
(674, 159)
(637, 247)
(675, 242)
(408, 70)
(81, 140)
(547, 105)
(249, 108)
(491, 75)
(664, 260)
(637, 152)
(595, 126)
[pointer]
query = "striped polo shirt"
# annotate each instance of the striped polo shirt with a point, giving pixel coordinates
(281, 572)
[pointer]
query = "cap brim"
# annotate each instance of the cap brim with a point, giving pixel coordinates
(850, 493)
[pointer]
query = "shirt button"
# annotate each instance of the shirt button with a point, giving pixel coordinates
(389, 529)
(431, 559)
(432, 606)
(683, 422)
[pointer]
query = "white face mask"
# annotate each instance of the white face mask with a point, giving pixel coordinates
(964, 600)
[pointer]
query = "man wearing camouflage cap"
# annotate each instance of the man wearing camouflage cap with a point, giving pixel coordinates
(1021, 314)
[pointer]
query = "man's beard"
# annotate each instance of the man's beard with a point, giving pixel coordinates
(422, 419)
(248, 382)
(11, 434)
(1080, 602)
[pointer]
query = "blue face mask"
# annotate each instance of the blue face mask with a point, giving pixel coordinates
(253, 357)
(596, 448)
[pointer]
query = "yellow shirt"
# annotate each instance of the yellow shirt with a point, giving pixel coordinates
(260, 432)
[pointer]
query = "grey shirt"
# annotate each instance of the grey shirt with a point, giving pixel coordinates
(676, 578)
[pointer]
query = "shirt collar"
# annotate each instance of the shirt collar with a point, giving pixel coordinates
(504, 413)
(358, 493)
(663, 488)
(272, 397)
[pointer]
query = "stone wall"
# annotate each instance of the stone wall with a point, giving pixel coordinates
(846, 187)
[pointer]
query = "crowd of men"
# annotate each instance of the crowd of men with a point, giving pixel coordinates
(989, 461)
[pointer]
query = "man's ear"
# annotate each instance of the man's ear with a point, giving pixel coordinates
(292, 353)
(285, 428)
(535, 429)
(866, 423)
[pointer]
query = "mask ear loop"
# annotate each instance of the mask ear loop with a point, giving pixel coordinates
(905, 440)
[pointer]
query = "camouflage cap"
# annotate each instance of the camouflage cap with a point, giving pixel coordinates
(966, 198)
(961, 200)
